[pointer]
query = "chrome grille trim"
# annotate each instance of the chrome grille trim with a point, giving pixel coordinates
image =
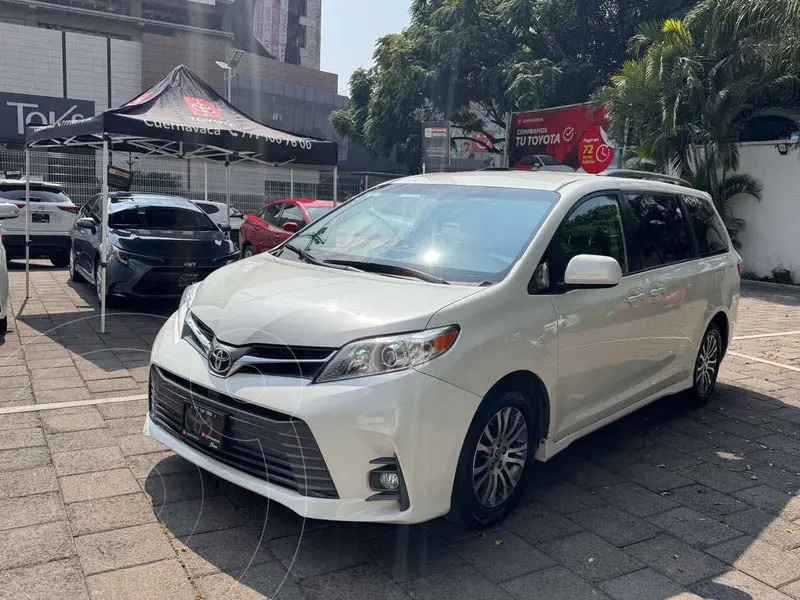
(262, 358)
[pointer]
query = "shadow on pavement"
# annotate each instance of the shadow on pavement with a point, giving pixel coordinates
(69, 317)
(665, 500)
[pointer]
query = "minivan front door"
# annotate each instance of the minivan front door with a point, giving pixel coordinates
(599, 330)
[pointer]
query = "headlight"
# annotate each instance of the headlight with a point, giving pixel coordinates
(119, 255)
(183, 309)
(388, 354)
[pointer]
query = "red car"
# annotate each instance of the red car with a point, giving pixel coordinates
(278, 221)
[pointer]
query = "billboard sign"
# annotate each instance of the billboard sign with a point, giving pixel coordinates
(573, 135)
(18, 111)
(436, 144)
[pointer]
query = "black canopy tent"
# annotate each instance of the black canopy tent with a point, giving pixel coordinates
(179, 117)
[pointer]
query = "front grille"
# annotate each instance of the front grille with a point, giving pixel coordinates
(165, 281)
(272, 446)
(261, 359)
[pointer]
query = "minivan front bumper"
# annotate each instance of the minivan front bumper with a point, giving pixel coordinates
(413, 418)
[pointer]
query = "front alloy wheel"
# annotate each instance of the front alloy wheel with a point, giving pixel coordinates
(495, 457)
(706, 366)
(500, 457)
(111, 301)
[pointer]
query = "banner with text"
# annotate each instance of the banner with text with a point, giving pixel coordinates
(436, 145)
(574, 136)
(18, 111)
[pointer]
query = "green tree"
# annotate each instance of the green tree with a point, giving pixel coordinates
(698, 87)
(495, 56)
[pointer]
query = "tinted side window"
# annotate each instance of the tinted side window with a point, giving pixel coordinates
(658, 235)
(88, 208)
(594, 227)
(292, 213)
(97, 208)
(209, 209)
(270, 213)
(708, 227)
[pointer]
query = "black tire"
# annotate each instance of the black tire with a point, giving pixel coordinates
(248, 251)
(706, 366)
(74, 275)
(60, 259)
(4, 325)
(469, 505)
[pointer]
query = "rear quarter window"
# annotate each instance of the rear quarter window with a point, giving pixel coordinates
(708, 227)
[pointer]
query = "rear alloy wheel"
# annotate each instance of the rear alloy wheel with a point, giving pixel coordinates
(494, 460)
(248, 251)
(60, 259)
(706, 366)
(73, 271)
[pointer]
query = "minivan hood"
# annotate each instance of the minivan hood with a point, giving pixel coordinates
(172, 244)
(267, 300)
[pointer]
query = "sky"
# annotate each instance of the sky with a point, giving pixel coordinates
(350, 29)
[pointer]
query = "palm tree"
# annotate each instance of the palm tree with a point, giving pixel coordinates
(696, 88)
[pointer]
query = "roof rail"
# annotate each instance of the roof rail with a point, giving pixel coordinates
(631, 174)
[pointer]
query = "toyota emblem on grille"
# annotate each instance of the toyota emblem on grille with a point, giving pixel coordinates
(219, 360)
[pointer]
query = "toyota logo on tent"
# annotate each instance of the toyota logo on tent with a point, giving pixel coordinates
(219, 360)
(203, 108)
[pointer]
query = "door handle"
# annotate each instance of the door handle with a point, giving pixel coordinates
(658, 290)
(636, 298)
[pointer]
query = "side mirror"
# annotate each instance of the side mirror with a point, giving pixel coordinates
(591, 271)
(224, 227)
(86, 223)
(8, 211)
(291, 227)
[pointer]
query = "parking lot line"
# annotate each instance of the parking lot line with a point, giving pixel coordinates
(757, 336)
(11, 410)
(765, 361)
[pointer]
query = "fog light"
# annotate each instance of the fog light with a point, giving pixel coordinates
(389, 481)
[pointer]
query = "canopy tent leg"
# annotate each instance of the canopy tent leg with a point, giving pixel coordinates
(27, 220)
(205, 181)
(335, 186)
(291, 183)
(228, 190)
(104, 243)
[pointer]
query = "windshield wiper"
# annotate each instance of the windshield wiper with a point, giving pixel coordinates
(373, 267)
(305, 256)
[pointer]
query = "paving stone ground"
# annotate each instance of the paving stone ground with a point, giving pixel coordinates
(669, 502)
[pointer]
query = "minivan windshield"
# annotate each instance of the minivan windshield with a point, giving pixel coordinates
(457, 233)
(159, 217)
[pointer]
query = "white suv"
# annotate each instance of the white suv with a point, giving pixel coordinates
(52, 217)
(7, 211)
(413, 351)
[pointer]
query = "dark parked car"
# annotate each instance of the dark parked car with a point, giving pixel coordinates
(159, 245)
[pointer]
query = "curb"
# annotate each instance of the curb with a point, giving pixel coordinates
(795, 289)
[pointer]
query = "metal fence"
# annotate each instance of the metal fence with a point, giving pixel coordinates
(251, 184)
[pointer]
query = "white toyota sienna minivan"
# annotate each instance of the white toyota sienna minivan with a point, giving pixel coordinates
(411, 353)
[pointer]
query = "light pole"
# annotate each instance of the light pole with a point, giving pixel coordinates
(229, 71)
